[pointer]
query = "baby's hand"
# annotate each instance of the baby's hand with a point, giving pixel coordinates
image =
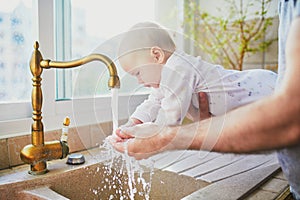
(146, 139)
(131, 122)
(121, 135)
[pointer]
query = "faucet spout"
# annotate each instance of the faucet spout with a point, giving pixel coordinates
(113, 81)
(37, 153)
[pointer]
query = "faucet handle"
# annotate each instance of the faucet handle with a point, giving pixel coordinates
(65, 130)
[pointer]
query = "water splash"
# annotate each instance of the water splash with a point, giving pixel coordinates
(125, 177)
(133, 177)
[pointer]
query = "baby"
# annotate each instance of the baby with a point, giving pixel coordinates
(148, 52)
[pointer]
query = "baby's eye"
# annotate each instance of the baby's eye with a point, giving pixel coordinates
(137, 73)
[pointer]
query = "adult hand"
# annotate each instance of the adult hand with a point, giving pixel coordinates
(144, 140)
(204, 106)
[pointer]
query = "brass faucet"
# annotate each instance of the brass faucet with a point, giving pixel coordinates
(39, 152)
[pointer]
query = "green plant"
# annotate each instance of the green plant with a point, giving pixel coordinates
(229, 39)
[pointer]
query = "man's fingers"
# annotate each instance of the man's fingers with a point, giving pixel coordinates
(140, 141)
(119, 146)
(204, 106)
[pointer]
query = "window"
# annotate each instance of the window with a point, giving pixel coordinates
(17, 32)
(63, 33)
(95, 27)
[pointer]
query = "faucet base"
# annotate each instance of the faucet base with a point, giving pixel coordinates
(38, 168)
(37, 156)
(38, 172)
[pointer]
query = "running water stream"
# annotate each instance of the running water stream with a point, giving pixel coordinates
(115, 108)
(138, 173)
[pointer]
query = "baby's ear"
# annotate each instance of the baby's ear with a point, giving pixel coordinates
(158, 54)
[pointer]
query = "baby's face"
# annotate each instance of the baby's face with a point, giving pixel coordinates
(143, 67)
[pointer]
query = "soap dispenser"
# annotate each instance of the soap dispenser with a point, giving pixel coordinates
(64, 136)
(73, 159)
(65, 130)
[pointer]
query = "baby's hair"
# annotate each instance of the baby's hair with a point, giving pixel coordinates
(145, 35)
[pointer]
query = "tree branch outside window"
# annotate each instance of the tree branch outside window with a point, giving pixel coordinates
(228, 40)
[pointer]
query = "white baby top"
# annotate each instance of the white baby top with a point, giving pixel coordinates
(184, 76)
